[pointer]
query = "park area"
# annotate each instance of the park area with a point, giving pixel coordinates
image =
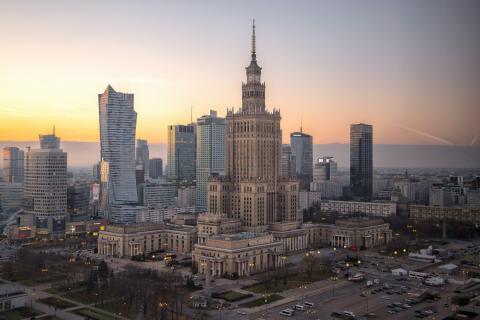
(288, 282)
(19, 313)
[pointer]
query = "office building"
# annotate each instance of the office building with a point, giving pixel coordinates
(371, 209)
(328, 189)
(186, 196)
(325, 169)
(156, 168)
(142, 159)
(361, 161)
(49, 141)
(211, 154)
(11, 195)
(12, 165)
(309, 198)
(302, 149)
(181, 153)
(118, 192)
(158, 195)
(96, 171)
(435, 214)
(78, 198)
(45, 186)
(287, 162)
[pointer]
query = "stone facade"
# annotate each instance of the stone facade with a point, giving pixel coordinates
(253, 191)
(131, 240)
(241, 253)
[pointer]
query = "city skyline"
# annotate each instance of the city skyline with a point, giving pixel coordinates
(317, 79)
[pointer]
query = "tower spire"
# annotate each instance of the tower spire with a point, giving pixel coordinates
(254, 53)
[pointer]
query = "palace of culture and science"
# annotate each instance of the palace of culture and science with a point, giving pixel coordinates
(253, 190)
(253, 219)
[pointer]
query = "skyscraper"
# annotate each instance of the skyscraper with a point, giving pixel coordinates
(45, 186)
(118, 119)
(325, 169)
(302, 149)
(181, 153)
(211, 153)
(143, 157)
(156, 168)
(49, 141)
(13, 165)
(287, 162)
(361, 161)
(252, 190)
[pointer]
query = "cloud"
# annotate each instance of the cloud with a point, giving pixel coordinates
(427, 135)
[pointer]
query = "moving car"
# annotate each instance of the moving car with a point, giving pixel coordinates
(287, 312)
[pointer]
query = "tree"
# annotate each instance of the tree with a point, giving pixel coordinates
(92, 281)
(7, 270)
(309, 262)
(103, 272)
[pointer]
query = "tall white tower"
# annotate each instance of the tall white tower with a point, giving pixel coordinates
(118, 121)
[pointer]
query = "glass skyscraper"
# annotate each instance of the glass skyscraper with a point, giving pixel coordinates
(361, 161)
(181, 153)
(211, 153)
(302, 149)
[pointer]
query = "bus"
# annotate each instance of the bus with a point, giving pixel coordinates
(418, 275)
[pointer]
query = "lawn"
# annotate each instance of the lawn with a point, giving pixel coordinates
(82, 296)
(18, 313)
(293, 281)
(92, 314)
(57, 303)
(232, 296)
(261, 301)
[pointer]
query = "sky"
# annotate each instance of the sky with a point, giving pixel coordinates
(409, 68)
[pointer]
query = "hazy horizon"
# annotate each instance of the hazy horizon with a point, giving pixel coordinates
(83, 154)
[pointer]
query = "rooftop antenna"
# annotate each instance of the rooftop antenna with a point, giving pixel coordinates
(191, 114)
(53, 129)
(301, 124)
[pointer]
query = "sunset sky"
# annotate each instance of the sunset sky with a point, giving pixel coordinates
(410, 68)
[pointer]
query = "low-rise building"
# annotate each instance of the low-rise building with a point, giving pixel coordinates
(372, 209)
(12, 298)
(85, 227)
(242, 254)
(144, 238)
(431, 213)
(11, 196)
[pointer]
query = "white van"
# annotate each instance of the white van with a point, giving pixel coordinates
(287, 312)
(309, 304)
